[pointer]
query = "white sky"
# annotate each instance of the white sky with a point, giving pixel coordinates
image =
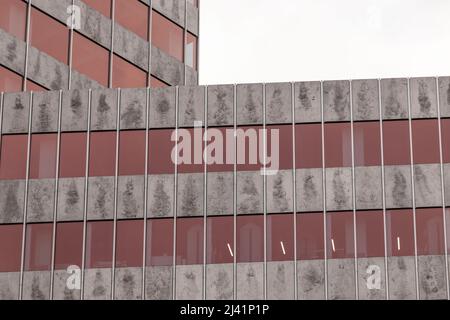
(244, 41)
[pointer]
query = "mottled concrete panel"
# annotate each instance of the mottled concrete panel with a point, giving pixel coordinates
(71, 199)
(220, 193)
(339, 189)
(36, 285)
(397, 181)
(9, 285)
(60, 289)
(162, 108)
(167, 68)
(190, 194)
(447, 183)
(160, 195)
(104, 109)
(278, 103)
(280, 280)
(249, 192)
(130, 197)
(341, 279)
(41, 196)
(45, 111)
(97, 284)
(279, 192)
(192, 22)
(81, 82)
(368, 188)
(219, 282)
(192, 106)
(131, 46)
(16, 111)
(158, 283)
(128, 284)
(365, 100)
(311, 280)
(12, 196)
(402, 279)
(47, 71)
(394, 98)
(432, 280)
(56, 10)
(250, 283)
(100, 198)
(249, 107)
(172, 9)
(423, 97)
(220, 105)
(307, 102)
(75, 104)
(309, 190)
(189, 284)
(336, 100)
(371, 279)
(444, 96)
(191, 77)
(12, 52)
(133, 108)
(427, 185)
(94, 25)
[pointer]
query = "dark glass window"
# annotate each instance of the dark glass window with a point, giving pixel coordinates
(425, 141)
(13, 17)
(396, 142)
(73, 155)
(370, 234)
(280, 237)
(133, 15)
(249, 148)
(338, 145)
(366, 137)
(126, 75)
(102, 157)
(308, 145)
(33, 86)
(400, 231)
(220, 242)
(191, 51)
(10, 81)
(130, 243)
(250, 238)
(13, 161)
(99, 244)
(430, 231)
(160, 151)
(69, 245)
(38, 247)
(310, 236)
(189, 241)
(445, 128)
(279, 140)
(156, 83)
(222, 158)
(340, 239)
(43, 156)
(160, 242)
(10, 247)
(167, 36)
(193, 156)
(132, 153)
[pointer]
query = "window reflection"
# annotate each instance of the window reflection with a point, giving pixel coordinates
(102, 157)
(73, 155)
(220, 236)
(167, 36)
(10, 81)
(126, 75)
(308, 145)
(338, 145)
(445, 128)
(130, 243)
(400, 231)
(191, 51)
(13, 18)
(250, 238)
(280, 237)
(133, 15)
(69, 245)
(132, 153)
(13, 161)
(38, 247)
(425, 134)
(10, 247)
(189, 241)
(160, 242)
(340, 240)
(396, 142)
(430, 231)
(310, 240)
(370, 234)
(99, 244)
(43, 156)
(367, 143)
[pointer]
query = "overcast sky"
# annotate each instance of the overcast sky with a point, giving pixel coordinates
(244, 41)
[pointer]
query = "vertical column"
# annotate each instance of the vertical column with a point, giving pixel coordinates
(71, 47)
(27, 47)
(294, 189)
(235, 194)
(111, 52)
(324, 193)
(175, 195)
(150, 29)
(205, 177)
(265, 192)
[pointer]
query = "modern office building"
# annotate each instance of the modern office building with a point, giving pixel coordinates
(359, 207)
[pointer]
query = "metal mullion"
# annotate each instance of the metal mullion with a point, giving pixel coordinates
(175, 196)
(324, 197)
(149, 38)
(197, 58)
(294, 188)
(111, 51)
(264, 193)
(27, 46)
(205, 186)
(235, 193)
(71, 48)
(144, 257)
(185, 42)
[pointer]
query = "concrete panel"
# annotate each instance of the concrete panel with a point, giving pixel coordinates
(47, 71)
(172, 9)
(74, 111)
(368, 188)
(162, 108)
(250, 283)
(423, 98)
(41, 197)
(158, 283)
(427, 185)
(371, 279)
(71, 199)
(12, 196)
(93, 24)
(100, 198)
(130, 197)
(398, 186)
(133, 108)
(191, 77)
(444, 96)
(339, 189)
(394, 98)
(307, 102)
(45, 111)
(278, 103)
(16, 110)
(12, 52)
(280, 280)
(220, 105)
(219, 282)
(341, 279)
(192, 106)
(82, 82)
(309, 190)
(249, 107)
(190, 195)
(60, 289)
(311, 280)
(97, 284)
(365, 100)
(249, 192)
(104, 109)
(160, 195)
(9, 285)
(189, 285)
(192, 22)
(167, 68)
(336, 100)
(128, 284)
(36, 285)
(220, 193)
(131, 46)
(432, 280)
(447, 184)
(402, 279)
(279, 192)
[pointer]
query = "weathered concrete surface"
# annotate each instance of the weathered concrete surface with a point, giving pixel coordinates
(402, 280)
(36, 285)
(189, 285)
(365, 100)
(432, 279)
(133, 105)
(16, 110)
(280, 280)
(423, 97)
(311, 279)
(158, 283)
(368, 188)
(162, 108)
(220, 105)
(336, 100)
(128, 284)
(280, 192)
(100, 198)
(41, 197)
(250, 285)
(249, 192)
(161, 195)
(398, 186)
(249, 107)
(12, 197)
(60, 289)
(104, 109)
(130, 197)
(309, 190)
(341, 279)
(71, 199)
(220, 193)
(427, 185)
(394, 98)
(371, 278)
(9, 285)
(97, 284)
(307, 102)
(278, 103)
(219, 281)
(339, 189)
(191, 107)
(190, 195)
(45, 111)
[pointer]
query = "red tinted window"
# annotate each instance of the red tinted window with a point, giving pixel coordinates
(191, 51)
(279, 147)
(43, 156)
(280, 237)
(370, 234)
(132, 153)
(308, 146)
(430, 231)
(189, 241)
(69, 245)
(160, 242)
(95, 65)
(167, 36)
(13, 16)
(73, 155)
(396, 142)
(310, 240)
(425, 141)
(249, 148)
(400, 231)
(445, 128)
(102, 6)
(126, 75)
(13, 161)
(133, 15)
(38, 247)
(9, 81)
(49, 35)
(366, 137)
(160, 151)
(156, 83)
(130, 243)
(340, 240)
(338, 145)
(250, 238)
(102, 157)
(220, 149)
(190, 150)
(220, 234)
(33, 86)
(99, 244)
(10, 248)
